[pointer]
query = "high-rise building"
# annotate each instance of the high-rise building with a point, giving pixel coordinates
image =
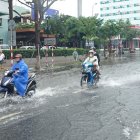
(120, 9)
(79, 7)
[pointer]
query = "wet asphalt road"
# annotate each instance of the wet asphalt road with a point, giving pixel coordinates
(62, 110)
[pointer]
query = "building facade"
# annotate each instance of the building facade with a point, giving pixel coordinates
(120, 9)
(4, 21)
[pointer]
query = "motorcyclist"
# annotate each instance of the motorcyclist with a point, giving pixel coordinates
(96, 54)
(20, 75)
(93, 60)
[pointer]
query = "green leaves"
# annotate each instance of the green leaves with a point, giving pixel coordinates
(57, 52)
(72, 31)
(25, 25)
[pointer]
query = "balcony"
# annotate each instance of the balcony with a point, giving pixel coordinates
(19, 30)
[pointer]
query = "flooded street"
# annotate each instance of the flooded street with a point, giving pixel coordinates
(62, 110)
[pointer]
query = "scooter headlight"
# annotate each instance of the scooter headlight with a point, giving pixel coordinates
(6, 72)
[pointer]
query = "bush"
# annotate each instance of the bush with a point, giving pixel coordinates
(33, 53)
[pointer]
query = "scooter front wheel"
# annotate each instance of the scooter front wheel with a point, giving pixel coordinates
(3, 95)
(83, 81)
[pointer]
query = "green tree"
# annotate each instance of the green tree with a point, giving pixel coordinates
(126, 32)
(40, 7)
(109, 29)
(73, 29)
(90, 27)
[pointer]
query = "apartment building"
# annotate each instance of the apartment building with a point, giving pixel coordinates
(120, 9)
(4, 22)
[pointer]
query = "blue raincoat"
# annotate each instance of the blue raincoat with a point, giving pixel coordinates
(20, 79)
(88, 68)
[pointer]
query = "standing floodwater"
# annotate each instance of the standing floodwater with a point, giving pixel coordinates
(62, 110)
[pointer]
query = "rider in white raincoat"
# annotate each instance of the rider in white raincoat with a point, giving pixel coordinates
(94, 61)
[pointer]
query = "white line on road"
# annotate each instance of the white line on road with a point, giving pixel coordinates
(9, 116)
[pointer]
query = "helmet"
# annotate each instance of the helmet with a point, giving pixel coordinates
(18, 56)
(91, 51)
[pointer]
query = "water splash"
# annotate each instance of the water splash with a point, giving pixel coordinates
(127, 131)
(119, 81)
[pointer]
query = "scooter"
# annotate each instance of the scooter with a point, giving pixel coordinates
(7, 87)
(85, 79)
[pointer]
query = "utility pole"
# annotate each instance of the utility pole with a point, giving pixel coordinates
(10, 9)
(37, 32)
(11, 28)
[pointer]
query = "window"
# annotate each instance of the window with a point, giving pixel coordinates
(1, 41)
(120, 0)
(136, 18)
(0, 21)
(104, 2)
(136, 4)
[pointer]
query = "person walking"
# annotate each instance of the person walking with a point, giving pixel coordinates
(2, 57)
(75, 55)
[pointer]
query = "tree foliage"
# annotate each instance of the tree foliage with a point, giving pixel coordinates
(72, 31)
(90, 27)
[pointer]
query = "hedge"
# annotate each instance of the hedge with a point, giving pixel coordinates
(32, 53)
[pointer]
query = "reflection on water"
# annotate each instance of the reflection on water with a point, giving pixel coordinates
(137, 137)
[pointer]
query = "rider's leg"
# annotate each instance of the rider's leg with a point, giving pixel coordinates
(90, 78)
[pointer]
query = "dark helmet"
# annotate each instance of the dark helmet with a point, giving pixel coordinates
(18, 56)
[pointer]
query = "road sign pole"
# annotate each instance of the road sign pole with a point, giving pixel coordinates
(11, 47)
(11, 26)
(46, 55)
(38, 56)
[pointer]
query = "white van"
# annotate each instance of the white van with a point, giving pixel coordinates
(4, 47)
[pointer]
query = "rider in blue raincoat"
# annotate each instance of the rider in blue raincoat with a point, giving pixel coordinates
(20, 76)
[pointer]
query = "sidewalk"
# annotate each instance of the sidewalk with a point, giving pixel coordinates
(49, 64)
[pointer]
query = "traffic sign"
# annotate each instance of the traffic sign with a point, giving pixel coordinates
(12, 38)
(11, 24)
(50, 41)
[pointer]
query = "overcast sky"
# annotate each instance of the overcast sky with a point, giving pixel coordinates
(69, 7)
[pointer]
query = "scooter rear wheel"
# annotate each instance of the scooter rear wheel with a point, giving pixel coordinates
(31, 93)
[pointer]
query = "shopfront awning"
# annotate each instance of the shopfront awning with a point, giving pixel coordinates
(134, 27)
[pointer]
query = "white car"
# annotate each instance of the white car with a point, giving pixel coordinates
(4, 47)
(49, 47)
(27, 47)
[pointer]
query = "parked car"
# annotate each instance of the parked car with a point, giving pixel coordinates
(4, 47)
(27, 47)
(43, 48)
(62, 47)
(49, 47)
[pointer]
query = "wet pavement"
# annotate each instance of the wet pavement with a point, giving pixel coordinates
(62, 110)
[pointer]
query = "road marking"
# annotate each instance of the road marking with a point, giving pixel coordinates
(9, 115)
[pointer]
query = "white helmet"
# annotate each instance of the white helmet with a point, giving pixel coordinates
(91, 51)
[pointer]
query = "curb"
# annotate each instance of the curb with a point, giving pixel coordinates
(56, 69)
